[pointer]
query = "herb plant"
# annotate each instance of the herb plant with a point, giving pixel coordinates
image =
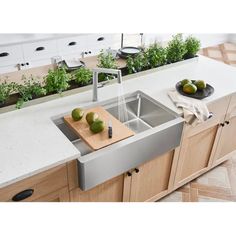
(83, 76)
(176, 49)
(155, 56)
(57, 80)
(137, 63)
(30, 88)
(192, 45)
(106, 60)
(6, 89)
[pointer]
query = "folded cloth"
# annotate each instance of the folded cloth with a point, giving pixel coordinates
(195, 111)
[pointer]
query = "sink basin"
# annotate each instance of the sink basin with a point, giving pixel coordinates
(157, 130)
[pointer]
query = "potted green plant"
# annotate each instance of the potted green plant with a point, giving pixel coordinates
(6, 89)
(176, 49)
(156, 56)
(83, 76)
(57, 80)
(31, 88)
(137, 63)
(192, 45)
(106, 60)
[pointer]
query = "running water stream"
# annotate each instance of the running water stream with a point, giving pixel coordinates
(122, 109)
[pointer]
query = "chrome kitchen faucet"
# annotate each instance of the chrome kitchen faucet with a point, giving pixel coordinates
(96, 71)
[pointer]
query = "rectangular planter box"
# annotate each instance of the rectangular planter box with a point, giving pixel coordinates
(12, 107)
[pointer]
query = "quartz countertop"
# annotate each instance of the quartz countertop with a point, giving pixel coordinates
(30, 142)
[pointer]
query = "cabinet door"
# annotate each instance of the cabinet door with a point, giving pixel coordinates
(150, 181)
(196, 154)
(110, 191)
(227, 142)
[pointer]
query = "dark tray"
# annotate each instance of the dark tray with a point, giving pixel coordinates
(200, 94)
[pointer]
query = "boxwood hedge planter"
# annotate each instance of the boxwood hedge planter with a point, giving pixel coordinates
(75, 88)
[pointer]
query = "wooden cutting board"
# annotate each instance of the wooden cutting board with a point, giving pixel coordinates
(99, 140)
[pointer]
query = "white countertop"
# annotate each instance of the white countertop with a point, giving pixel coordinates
(30, 142)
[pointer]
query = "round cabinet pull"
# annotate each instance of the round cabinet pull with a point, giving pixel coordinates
(23, 195)
(72, 43)
(40, 49)
(129, 174)
(226, 122)
(210, 115)
(136, 170)
(27, 63)
(222, 124)
(100, 39)
(4, 54)
(22, 64)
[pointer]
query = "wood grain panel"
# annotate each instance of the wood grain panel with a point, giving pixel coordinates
(72, 170)
(42, 184)
(61, 195)
(195, 153)
(152, 178)
(110, 191)
(99, 140)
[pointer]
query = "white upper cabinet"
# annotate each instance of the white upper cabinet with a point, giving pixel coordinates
(71, 46)
(10, 58)
(39, 50)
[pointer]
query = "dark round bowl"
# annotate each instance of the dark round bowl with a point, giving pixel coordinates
(123, 54)
(200, 94)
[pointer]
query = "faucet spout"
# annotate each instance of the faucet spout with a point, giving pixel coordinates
(97, 71)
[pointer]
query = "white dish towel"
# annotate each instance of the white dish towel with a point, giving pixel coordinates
(195, 111)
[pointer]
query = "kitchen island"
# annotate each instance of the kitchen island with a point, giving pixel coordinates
(32, 145)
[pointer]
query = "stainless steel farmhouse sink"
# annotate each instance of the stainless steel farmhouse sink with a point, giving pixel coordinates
(157, 130)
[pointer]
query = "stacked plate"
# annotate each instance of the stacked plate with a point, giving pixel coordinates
(126, 52)
(71, 65)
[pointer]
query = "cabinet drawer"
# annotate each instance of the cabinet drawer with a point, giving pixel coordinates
(97, 42)
(40, 50)
(218, 109)
(72, 45)
(40, 184)
(11, 55)
(61, 195)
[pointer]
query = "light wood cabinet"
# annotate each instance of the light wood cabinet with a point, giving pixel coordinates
(150, 181)
(227, 142)
(199, 144)
(195, 155)
(61, 195)
(39, 187)
(110, 191)
(147, 182)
